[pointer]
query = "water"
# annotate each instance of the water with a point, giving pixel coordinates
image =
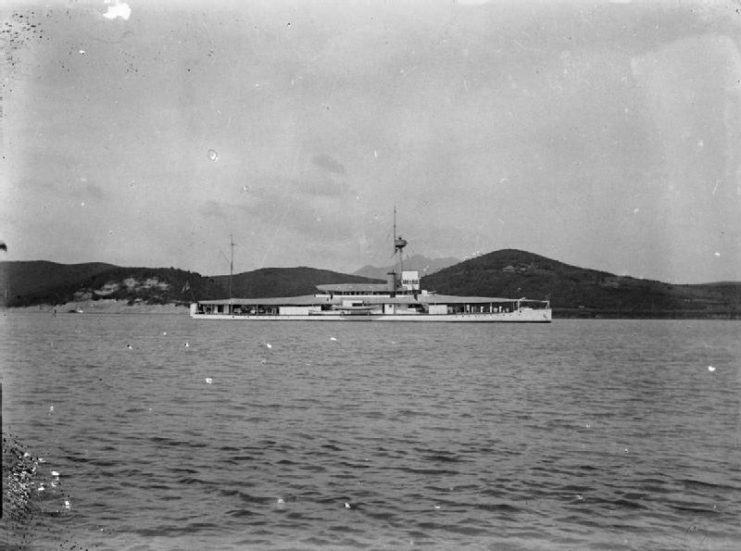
(217, 435)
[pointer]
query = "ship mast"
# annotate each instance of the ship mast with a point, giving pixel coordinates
(231, 264)
(399, 244)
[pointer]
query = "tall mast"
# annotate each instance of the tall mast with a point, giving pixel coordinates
(231, 264)
(394, 225)
(399, 244)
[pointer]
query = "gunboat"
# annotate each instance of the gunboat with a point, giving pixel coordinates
(399, 299)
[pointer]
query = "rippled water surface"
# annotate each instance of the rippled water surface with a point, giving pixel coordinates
(169, 433)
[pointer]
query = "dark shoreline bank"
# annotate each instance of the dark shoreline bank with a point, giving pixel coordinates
(593, 313)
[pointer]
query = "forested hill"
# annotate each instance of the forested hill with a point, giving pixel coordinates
(27, 283)
(575, 291)
(36, 277)
(285, 282)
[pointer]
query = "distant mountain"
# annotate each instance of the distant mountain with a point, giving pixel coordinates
(580, 291)
(425, 266)
(284, 282)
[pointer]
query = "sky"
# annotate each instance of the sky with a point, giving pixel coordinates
(602, 134)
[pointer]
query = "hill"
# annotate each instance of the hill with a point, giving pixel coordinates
(284, 282)
(425, 266)
(40, 282)
(19, 279)
(575, 291)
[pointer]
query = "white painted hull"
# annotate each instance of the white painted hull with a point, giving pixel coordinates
(522, 316)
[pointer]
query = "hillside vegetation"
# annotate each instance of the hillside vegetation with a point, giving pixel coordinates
(284, 282)
(40, 282)
(575, 291)
(36, 277)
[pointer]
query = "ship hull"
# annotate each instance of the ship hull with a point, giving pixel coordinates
(400, 299)
(532, 316)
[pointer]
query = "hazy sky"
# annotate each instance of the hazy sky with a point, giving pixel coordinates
(602, 134)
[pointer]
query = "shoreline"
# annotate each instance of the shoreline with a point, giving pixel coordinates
(594, 313)
(103, 306)
(121, 307)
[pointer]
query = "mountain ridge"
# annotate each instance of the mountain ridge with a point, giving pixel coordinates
(572, 290)
(300, 280)
(582, 291)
